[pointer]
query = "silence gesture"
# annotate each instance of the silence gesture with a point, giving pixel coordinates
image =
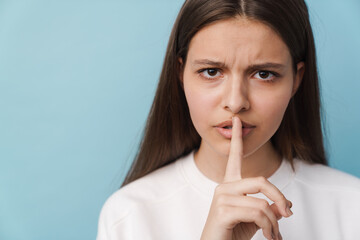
(233, 214)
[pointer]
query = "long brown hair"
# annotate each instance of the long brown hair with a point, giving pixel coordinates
(169, 132)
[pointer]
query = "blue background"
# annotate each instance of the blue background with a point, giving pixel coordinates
(77, 79)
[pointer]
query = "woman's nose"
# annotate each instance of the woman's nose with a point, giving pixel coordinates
(236, 97)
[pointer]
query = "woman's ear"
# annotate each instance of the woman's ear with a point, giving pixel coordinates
(181, 71)
(300, 70)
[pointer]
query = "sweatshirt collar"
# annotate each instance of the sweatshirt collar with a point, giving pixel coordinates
(281, 178)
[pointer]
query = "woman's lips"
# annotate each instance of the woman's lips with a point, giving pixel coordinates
(228, 123)
(225, 128)
(227, 133)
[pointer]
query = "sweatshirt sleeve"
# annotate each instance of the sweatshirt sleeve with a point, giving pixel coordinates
(102, 233)
(113, 219)
(104, 223)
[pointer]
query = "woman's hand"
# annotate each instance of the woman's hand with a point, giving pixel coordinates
(233, 214)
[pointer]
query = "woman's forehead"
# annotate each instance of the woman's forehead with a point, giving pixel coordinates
(238, 41)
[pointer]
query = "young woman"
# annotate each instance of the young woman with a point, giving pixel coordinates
(233, 142)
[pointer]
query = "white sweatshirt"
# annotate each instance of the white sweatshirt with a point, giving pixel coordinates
(173, 202)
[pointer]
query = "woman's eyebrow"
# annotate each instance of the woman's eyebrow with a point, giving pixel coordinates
(208, 62)
(251, 67)
(267, 65)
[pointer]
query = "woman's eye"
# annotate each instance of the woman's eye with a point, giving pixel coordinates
(265, 75)
(210, 73)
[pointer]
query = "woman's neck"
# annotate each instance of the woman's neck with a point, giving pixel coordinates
(264, 162)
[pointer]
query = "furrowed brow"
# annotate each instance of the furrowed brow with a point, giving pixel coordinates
(266, 65)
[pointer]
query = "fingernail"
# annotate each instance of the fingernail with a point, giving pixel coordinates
(288, 211)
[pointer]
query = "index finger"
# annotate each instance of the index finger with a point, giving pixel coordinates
(233, 167)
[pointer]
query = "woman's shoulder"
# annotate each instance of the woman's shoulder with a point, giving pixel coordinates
(325, 177)
(149, 189)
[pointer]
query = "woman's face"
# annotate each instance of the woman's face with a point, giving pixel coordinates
(238, 67)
